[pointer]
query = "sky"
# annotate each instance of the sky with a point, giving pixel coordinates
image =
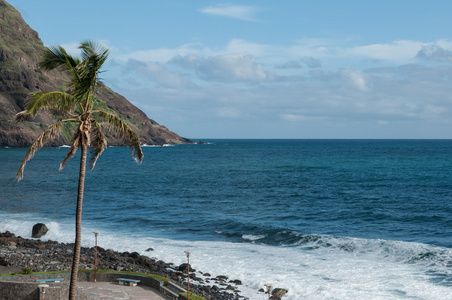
(269, 69)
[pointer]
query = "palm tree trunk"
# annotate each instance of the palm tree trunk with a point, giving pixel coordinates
(78, 220)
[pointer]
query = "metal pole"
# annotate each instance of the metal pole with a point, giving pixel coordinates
(188, 274)
(188, 278)
(96, 233)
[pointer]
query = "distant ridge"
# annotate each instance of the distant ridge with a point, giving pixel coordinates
(20, 50)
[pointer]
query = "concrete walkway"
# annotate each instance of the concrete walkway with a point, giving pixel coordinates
(114, 291)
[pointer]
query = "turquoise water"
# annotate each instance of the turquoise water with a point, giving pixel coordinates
(327, 219)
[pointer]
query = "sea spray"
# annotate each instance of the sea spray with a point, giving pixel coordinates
(370, 269)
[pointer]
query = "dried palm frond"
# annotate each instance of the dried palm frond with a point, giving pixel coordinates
(129, 137)
(75, 144)
(52, 132)
(98, 143)
(22, 116)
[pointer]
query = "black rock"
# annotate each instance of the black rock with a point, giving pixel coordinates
(39, 230)
(183, 268)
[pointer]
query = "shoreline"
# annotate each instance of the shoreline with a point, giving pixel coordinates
(17, 253)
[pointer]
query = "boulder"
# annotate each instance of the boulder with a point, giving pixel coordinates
(278, 293)
(183, 268)
(221, 277)
(144, 260)
(39, 230)
(236, 282)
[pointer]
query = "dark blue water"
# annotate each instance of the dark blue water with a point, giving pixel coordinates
(280, 193)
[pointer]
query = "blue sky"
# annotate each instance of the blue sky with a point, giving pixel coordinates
(270, 69)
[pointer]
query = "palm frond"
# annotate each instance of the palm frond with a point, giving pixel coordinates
(130, 138)
(98, 143)
(50, 133)
(75, 144)
(22, 116)
(93, 57)
(56, 57)
(60, 100)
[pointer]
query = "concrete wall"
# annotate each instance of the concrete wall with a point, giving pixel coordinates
(26, 287)
(14, 290)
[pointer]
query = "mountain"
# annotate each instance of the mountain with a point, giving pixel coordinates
(20, 50)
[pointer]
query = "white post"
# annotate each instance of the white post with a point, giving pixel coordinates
(269, 289)
(42, 290)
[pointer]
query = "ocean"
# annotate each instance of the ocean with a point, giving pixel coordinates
(325, 219)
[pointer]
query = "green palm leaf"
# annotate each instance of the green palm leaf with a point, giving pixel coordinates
(56, 57)
(59, 100)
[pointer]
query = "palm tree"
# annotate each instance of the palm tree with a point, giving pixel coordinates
(78, 105)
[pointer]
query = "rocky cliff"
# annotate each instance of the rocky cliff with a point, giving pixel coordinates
(20, 50)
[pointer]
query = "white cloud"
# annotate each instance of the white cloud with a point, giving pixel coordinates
(240, 12)
(225, 68)
(300, 117)
(241, 46)
(164, 55)
(356, 78)
(233, 68)
(398, 51)
(434, 52)
(308, 61)
(158, 73)
(344, 103)
(242, 82)
(190, 61)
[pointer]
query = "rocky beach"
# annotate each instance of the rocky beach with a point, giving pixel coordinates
(18, 254)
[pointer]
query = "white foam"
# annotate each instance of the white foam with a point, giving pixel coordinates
(251, 237)
(369, 269)
(164, 145)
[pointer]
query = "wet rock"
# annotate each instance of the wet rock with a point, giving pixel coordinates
(221, 277)
(183, 268)
(278, 293)
(144, 260)
(39, 230)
